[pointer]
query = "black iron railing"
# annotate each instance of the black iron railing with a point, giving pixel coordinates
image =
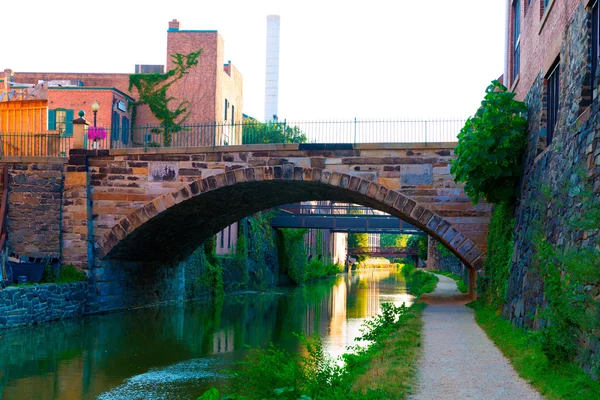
(248, 132)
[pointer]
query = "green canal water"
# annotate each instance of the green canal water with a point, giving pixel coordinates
(179, 351)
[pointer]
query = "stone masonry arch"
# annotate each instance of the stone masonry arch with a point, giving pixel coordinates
(173, 224)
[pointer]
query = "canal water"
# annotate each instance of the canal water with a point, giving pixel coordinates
(179, 351)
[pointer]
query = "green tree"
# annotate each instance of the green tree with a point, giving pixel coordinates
(255, 132)
(490, 146)
(420, 242)
(358, 241)
(393, 240)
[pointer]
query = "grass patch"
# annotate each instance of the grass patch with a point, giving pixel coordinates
(392, 367)
(553, 380)
(419, 281)
(463, 287)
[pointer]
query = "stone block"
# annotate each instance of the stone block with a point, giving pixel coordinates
(416, 174)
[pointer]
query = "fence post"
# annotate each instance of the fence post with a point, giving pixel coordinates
(146, 139)
(425, 131)
(355, 131)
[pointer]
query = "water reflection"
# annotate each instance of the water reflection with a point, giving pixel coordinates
(179, 351)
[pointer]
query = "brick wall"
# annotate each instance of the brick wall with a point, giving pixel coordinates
(540, 39)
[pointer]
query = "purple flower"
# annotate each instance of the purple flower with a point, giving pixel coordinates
(96, 133)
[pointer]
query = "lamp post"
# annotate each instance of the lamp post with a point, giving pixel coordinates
(95, 108)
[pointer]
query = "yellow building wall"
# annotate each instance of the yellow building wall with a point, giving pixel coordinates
(24, 116)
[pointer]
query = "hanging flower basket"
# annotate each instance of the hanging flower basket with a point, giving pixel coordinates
(96, 133)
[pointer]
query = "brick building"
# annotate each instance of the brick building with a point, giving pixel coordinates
(212, 89)
(552, 55)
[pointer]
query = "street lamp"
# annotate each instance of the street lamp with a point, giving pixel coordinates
(95, 108)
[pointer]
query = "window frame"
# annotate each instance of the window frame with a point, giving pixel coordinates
(594, 44)
(516, 41)
(552, 101)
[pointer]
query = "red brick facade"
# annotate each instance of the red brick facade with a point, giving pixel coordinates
(541, 35)
(209, 87)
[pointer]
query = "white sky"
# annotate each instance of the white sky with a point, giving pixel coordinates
(339, 58)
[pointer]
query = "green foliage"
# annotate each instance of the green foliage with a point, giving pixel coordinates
(318, 269)
(255, 132)
(419, 281)
(490, 147)
(294, 261)
(273, 373)
(393, 240)
(292, 254)
(212, 277)
(67, 274)
(358, 241)
(493, 286)
(420, 242)
(570, 274)
(382, 324)
(152, 90)
(554, 380)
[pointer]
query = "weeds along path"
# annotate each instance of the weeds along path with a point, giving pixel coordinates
(459, 361)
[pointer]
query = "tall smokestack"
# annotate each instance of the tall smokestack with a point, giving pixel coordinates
(272, 73)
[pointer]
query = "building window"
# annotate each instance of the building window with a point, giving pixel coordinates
(61, 120)
(125, 129)
(229, 237)
(552, 101)
(115, 126)
(232, 115)
(516, 56)
(226, 107)
(595, 43)
(223, 239)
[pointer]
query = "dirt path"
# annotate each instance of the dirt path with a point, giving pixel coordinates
(459, 361)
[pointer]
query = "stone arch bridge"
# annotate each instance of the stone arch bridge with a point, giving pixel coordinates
(120, 208)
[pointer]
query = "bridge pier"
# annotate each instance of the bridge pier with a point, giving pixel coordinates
(472, 283)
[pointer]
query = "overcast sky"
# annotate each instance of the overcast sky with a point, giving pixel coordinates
(339, 59)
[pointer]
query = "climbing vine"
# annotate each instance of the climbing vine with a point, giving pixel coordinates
(152, 91)
(212, 277)
(490, 146)
(493, 286)
(571, 272)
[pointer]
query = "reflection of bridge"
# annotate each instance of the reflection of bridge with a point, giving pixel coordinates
(340, 218)
(384, 251)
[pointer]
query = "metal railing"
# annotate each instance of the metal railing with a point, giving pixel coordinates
(409, 251)
(331, 209)
(248, 132)
(34, 145)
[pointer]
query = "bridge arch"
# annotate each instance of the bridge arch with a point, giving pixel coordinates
(171, 226)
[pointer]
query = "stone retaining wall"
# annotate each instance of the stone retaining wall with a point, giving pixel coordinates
(41, 303)
(556, 177)
(34, 210)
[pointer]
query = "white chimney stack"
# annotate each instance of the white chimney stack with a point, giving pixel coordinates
(272, 73)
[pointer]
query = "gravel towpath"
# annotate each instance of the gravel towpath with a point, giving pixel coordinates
(459, 361)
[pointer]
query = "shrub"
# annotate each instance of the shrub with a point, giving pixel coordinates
(490, 146)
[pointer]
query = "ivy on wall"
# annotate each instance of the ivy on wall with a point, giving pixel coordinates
(152, 91)
(571, 272)
(492, 286)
